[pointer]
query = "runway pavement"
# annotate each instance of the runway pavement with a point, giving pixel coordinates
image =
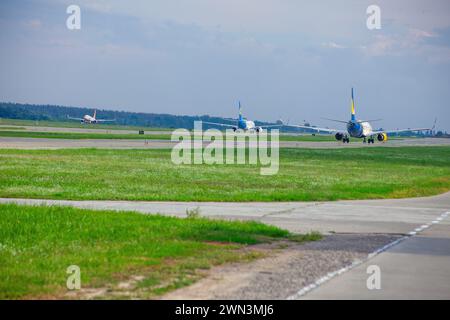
(417, 268)
(44, 143)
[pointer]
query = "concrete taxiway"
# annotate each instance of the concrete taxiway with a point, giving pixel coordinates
(394, 216)
(45, 143)
(417, 268)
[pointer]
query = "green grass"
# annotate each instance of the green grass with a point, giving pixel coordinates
(304, 175)
(11, 128)
(79, 135)
(37, 244)
(165, 136)
(90, 135)
(74, 124)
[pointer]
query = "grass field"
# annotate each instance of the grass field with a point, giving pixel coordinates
(6, 128)
(73, 124)
(79, 135)
(37, 244)
(304, 175)
(90, 135)
(166, 136)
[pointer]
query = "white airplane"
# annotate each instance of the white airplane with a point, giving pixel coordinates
(90, 119)
(358, 129)
(243, 124)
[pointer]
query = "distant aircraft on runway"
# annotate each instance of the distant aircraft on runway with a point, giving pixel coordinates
(358, 129)
(243, 124)
(90, 119)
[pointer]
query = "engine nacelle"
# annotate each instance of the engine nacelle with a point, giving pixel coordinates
(382, 137)
(339, 136)
(259, 129)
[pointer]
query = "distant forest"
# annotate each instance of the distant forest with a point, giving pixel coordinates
(60, 113)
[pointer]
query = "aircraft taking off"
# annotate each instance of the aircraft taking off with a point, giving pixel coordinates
(358, 129)
(90, 119)
(243, 124)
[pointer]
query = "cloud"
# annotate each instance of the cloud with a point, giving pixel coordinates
(33, 23)
(412, 42)
(333, 45)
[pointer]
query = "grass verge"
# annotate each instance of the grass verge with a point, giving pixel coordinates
(38, 244)
(304, 175)
(75, 124)
(4, 132)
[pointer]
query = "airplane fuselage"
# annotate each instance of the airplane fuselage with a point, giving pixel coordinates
(89, 119)
(359, 129)
(245, 124)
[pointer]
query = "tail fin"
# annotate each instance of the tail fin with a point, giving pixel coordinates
(353, 107)
(240, 111)
(95, 114)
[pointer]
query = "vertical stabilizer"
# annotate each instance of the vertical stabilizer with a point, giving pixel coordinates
(240, 111)
(353, 107)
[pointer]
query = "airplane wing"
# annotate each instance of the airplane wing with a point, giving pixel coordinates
(79, 119)
(220, 124)
(272, 126)
(400, 130)
(104, 120)
(327, 130)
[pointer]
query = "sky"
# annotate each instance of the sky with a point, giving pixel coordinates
(283, 59)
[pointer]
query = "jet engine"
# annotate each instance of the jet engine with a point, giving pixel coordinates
(259, 129)
(339, 136)
(382, 137)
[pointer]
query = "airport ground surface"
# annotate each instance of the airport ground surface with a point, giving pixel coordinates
(43, 143)
(418, 266)
(410, 237)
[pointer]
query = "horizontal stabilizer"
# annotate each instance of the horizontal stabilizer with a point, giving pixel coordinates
(341, 121)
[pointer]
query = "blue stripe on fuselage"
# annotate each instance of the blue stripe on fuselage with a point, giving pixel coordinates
(354, 129)
(242, 123)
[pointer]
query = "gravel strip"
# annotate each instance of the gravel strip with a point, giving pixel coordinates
(284, 272)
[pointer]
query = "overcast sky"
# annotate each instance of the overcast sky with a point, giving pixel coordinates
(286, 59)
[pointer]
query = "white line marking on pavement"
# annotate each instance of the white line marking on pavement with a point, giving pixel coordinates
(356, 263)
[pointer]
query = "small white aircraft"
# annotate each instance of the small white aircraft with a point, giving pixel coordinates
(90, 119)
(358, 129)
(243, 124)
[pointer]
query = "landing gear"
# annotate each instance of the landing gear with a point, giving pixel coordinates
(369, 140)
(346, 140)
(364, 141)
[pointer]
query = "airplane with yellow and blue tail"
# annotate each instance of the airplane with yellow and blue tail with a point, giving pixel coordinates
(358, 129)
